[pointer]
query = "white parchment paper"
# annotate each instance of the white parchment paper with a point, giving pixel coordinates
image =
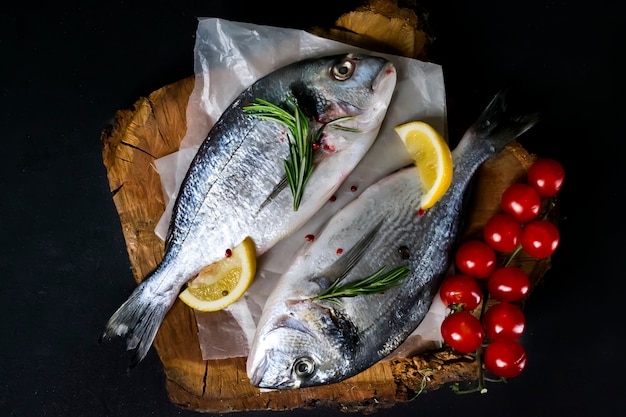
(228, 57)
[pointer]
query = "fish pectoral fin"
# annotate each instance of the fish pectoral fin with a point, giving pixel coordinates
(282, 184)
(342, 266)
(289, 322)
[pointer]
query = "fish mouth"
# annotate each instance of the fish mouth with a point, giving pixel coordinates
(258, 372)
(383, 88)
(268, 368)
(386, 76)
(261, 361)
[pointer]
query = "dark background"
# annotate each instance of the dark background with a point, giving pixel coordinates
(65, 69)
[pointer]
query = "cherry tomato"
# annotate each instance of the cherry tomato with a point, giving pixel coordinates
(546, 175)
(504, 320)
(502, 232)
(476, 259)
(540, 238)
(461, 290)
(521, 201)
(508, 284)
(462, 331)
(505, 358)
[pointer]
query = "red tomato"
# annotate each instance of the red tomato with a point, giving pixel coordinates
(540, 239)
(502, 232)
(462, 331)
(505, 358)
(504, 320)
(521, 201)
(508, 284)
(461, 290)
(546, 176)
(476, 259)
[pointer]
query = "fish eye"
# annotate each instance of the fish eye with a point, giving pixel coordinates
(343, 70)
(304, 367)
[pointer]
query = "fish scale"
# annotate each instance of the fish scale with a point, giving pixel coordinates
(342, 337)
(237, 167)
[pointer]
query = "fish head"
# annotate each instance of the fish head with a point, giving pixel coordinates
(308, 344)
(350, 85)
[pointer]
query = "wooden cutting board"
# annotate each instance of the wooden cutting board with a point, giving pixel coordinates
(154, 128)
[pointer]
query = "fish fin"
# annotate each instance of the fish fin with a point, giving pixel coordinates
(284, 182)
(342, 266)
(499, 124)
(277, 190)
(138, 320)
(287, 321)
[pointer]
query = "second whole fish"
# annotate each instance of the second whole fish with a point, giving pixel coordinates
(229, 192)
(304, 341)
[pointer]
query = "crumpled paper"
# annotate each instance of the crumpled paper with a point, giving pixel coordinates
(228, 57)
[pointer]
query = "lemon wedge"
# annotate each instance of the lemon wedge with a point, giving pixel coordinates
(431, 156)
(223, 282)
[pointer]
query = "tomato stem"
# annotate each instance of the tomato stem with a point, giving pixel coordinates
(479, 357)
(519, 247)
(513, 255)
(548, 210)
(481, 372)
(501, 379)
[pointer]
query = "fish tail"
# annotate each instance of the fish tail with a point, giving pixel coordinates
(497, 126)
(139, 318)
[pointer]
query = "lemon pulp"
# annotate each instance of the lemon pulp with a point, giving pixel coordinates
(223, 282)
(431, 155)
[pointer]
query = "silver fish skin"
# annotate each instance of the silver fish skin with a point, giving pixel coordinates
(302, 342)
(229, 190)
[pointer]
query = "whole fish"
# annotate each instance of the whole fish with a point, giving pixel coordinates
(302, 341)
(230, 189)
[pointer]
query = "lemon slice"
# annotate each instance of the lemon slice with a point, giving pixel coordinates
(432, 157)
(223, 282)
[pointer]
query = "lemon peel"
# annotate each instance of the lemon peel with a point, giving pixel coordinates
(431, 155)
(223, 282)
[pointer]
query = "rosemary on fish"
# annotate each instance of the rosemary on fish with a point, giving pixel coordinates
(299, 165)
(378, 282)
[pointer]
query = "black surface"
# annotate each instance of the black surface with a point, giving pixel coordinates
(66, 69)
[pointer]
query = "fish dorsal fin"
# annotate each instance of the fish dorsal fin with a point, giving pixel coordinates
(342, 266)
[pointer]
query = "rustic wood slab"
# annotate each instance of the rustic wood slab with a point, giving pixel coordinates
(154, 128)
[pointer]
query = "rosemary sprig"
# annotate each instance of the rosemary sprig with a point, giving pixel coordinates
(299, 165)
(379, 281)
